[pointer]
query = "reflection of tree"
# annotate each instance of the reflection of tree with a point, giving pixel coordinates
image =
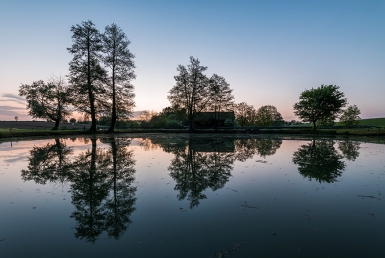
(349, 149)
(201, 163)
(247, 148)
(319, 160)
(122, 199)
(89, 189)
(102, 193)
(49, 163)
(196, 171)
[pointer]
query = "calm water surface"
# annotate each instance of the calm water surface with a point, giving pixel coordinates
(192, 196)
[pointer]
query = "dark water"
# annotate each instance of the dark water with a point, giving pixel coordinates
(182, 196)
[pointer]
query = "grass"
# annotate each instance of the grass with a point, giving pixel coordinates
(373, 121)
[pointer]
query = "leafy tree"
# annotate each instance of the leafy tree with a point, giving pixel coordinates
(244, 114)
(222, 99)
(118, 58)
(47, 100)
(72, 120)
(16, 118)
(268, 115)
(87, 76)
(320, 103)
(192, 89)
(351, 116)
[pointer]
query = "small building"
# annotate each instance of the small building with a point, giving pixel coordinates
(212, 119)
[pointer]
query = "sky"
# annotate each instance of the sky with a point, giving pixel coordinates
(268, 51)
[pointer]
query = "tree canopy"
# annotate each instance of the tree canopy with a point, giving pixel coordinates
(323, 102)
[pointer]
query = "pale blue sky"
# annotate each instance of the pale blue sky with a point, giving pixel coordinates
(269, 51)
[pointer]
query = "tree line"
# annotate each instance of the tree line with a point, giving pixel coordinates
(99, 86)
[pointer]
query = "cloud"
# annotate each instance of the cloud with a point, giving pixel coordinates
(13, 96)
(11, 108)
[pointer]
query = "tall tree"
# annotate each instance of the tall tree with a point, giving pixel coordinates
(222, 98)
(245, 114)
(320, 103)
(47, 100)
(87, 77)
(192, 89)
(118, 58)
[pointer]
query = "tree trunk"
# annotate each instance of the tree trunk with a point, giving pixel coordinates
(113, 117)
(314, 125)
(56, 126)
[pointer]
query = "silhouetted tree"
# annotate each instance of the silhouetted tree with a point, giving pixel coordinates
(192, 89)
(47, 100)
(118, 58)
(247, 148)
(268, 115)
(222, 99)
(87, 76)
(244, 114)
(323, 102)
(319, 160)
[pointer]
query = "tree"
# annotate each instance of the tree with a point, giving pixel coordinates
(87, 77)
(73, 120)
(16, 118)
(222, 99)
(351, 116)
(192, 89)
(47, 100)
(244, 114)
(320, 103)
(119, 60)
(268, 115)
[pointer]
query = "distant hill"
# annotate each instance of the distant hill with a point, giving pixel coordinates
(373, 121)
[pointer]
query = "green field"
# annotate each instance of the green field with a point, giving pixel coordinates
(373, 122)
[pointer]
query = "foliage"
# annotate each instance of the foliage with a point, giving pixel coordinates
(72, 120)
(118, 58)
(321, 103)
(351, 116)
(47, 100)
(268, 115)
(192, 89)
(244, 114)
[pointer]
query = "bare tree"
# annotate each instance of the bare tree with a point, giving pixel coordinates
(118, 58)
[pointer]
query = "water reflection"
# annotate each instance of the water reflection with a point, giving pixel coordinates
(49, 163)
(100, 181)
(319, 160)
(206, 163)
(349, 149)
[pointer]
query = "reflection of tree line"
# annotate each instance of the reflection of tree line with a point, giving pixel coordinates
(201, 163)
(100, 180)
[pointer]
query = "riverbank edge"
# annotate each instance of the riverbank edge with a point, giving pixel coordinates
(321, 132)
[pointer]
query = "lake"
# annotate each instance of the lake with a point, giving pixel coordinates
(179, 195)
